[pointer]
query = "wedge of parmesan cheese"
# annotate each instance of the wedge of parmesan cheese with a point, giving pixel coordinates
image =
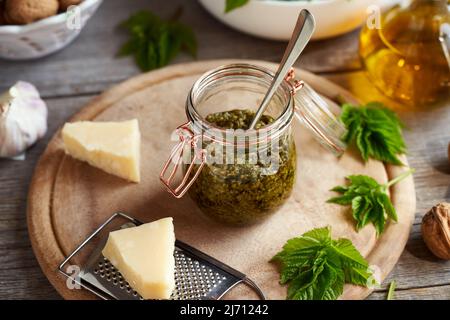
(144, 255)
(113, 147)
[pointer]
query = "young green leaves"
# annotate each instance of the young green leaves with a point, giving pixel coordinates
(316, 267)
(369, 200)
(376, 131)
(391, 291)
(154, 42)
(234, 4)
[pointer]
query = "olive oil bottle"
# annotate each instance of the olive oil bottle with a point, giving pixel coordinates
(404, 57)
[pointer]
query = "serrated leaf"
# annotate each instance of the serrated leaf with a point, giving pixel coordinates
(315, 266)
(301, 286)
(337, 287)
(375, 130)
(364, 218)
(378, 217)
(127, 49)
(360, 207)
(362, 180)
(368, 199)
(348, 254)
(234, 4)
(388, 207)
(362, 141)
(329, 284)
(357, 276)
(163, 47)
(340, 189)
(342, 200)
(155, 42)
(312, 239)
(188, 40)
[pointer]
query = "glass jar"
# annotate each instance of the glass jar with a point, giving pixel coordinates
(240, 176)
(404, 56)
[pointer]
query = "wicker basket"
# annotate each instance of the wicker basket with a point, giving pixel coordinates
(45, 36)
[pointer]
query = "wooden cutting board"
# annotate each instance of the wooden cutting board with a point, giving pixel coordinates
(68, 199)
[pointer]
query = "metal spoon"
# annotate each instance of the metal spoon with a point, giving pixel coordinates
(300, 37)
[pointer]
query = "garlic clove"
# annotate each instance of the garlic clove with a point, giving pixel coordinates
(23, 119)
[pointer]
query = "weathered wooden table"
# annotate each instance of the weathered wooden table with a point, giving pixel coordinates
(68, 79)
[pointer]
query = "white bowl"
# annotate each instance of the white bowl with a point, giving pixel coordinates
(274, 19)
(43, 37)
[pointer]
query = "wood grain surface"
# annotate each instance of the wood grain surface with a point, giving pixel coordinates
(73, 76)
(68, 199)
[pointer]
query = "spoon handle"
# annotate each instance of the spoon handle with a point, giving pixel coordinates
(300, 37)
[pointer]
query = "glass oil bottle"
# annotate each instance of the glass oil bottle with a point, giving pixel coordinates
(404, 56)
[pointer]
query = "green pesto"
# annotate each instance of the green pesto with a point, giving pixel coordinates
(241, 194)
(237, 119)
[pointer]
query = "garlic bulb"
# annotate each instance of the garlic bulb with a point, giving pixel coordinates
(23, 119)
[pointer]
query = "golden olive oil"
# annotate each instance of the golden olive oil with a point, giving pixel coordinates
(404, 58)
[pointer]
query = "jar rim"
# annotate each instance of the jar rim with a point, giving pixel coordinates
(273, 129)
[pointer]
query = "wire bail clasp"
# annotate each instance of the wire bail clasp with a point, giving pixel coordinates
(187, 138)
(296, 85)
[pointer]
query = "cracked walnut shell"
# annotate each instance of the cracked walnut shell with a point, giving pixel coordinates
(436, 230)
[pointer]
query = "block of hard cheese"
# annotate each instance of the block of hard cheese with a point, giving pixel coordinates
(144, 255)
(111, 146)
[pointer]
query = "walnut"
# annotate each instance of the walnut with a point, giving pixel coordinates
(64, 4)
(28, 11)
(436, 230)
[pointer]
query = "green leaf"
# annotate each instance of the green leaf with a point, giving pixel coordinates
(302, 287)
(292, 259)
(312, 239)
(318, 235)
(375, 130)
(369, 200)
(384, 200)
(127, 49)
(362, 180)
(316, 267)
(356, 268)
(163, 47)
(188, 40)
(337, 287)
(363, 142)
(357, 276)
(340, 189)
(342, 200)
(360, 210)
(234, 4)
(155, 42)
(379, 215)
(392, 286)
(348, 254)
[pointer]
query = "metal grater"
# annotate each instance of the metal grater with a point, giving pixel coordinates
(197, 275)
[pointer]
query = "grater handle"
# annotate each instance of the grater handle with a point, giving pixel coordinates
(249, 282)
(234, 274)
(93, 234)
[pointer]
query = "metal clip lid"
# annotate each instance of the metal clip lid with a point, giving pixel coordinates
(187, 138)
(313, 111)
